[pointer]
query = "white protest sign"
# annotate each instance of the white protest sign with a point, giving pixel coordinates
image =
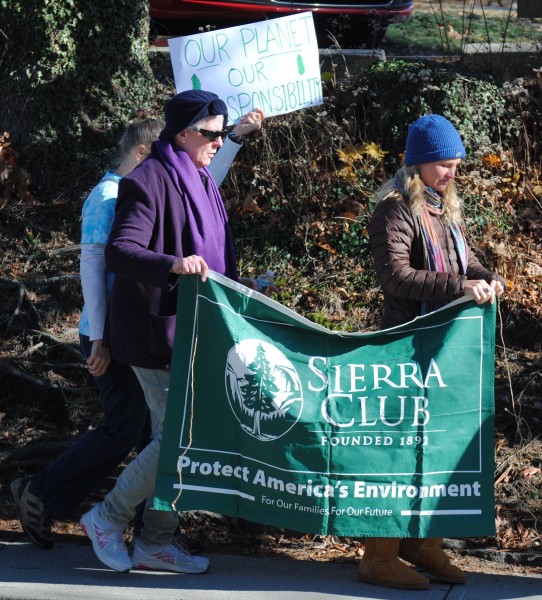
(272, 65)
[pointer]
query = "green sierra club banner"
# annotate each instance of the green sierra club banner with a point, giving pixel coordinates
(277, 420)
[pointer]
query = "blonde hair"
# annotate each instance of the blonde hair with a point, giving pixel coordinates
(414, 187)
(140, 130)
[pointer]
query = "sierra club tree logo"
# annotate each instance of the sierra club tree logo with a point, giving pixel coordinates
(263, 389)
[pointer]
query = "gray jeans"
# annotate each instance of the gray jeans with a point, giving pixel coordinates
(137, 481)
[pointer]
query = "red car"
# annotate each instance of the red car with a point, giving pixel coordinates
(352, 22)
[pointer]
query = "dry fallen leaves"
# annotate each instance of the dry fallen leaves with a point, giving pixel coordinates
(14, 180)
(530, 471)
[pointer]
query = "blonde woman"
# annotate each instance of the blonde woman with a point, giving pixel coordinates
(423, 262)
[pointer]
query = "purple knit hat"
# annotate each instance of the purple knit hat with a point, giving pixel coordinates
(187, 108)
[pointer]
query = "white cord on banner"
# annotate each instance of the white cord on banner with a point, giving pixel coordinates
(193, 360)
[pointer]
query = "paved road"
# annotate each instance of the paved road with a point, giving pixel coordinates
(71, 571)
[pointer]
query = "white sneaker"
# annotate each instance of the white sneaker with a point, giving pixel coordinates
(107, 541)
(167, 558)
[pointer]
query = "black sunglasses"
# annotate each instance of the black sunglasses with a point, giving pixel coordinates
(211, 135)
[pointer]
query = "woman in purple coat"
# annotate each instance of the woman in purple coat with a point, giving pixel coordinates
(170, 220)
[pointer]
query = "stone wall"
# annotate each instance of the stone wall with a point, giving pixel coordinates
(505, 61)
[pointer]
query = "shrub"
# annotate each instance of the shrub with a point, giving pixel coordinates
(71, 73)
(393, 94)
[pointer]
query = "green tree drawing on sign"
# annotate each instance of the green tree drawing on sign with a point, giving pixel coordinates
(300, 65)
(196, 83)
(260, 383)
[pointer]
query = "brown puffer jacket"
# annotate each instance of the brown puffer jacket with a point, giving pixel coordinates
(397, 249)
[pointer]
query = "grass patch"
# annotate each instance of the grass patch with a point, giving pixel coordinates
(447, 30)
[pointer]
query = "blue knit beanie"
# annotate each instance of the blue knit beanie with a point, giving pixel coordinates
(187, 108)
(432, 138)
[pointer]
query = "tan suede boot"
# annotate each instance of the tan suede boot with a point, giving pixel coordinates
(380, 565)
(428, 555)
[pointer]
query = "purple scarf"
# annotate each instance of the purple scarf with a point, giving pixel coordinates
(209, 232)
